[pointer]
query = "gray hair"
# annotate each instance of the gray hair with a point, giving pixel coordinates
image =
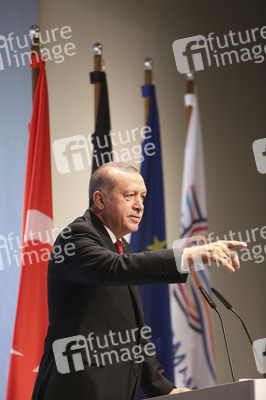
(103, 181)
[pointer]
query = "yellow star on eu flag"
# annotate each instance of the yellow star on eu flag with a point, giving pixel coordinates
(157, 245)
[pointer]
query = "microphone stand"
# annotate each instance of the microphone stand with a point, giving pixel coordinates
(226, 345)
(213, 305)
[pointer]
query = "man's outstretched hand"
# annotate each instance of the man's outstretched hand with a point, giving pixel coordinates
(220, 252)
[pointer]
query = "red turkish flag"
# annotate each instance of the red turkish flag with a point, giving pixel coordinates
(37, 238)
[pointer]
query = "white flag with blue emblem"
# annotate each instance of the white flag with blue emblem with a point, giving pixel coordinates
(193, 344)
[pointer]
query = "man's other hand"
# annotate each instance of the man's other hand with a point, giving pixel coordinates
(179, 390)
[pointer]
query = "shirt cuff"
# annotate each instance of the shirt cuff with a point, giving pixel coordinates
(181, 266)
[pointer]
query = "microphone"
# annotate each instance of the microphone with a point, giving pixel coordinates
(229, 307)
(213, 305)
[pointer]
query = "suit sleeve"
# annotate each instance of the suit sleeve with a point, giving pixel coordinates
(84, 259)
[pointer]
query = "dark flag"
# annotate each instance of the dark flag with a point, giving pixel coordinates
(151, 236)
(101, 138)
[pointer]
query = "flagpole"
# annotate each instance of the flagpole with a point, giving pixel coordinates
(190, 90)
(101, 138)
(35, 48)
(97, 51)
(148, 64)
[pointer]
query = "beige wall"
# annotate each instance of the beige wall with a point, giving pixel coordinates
(232, 109)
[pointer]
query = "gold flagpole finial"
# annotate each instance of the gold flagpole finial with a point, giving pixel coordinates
(190, 83)
(97, 49)
(34, 32)
(148, 63)
(190, 76)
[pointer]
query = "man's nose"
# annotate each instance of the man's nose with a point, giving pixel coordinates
(138, 204)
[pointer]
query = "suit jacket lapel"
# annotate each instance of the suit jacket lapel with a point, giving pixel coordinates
(99, 226)
(134, 289)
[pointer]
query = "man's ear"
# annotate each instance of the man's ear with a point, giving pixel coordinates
(99, 199)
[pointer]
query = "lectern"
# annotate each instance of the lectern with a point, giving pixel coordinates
(254, 389)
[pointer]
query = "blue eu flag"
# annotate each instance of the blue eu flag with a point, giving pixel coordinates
(151, 236)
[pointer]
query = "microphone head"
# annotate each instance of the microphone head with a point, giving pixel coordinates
(222, 299)
(207, 297)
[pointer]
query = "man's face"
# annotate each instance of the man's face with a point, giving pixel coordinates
(123, 211)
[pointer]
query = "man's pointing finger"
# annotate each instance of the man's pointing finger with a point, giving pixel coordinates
(231, 244)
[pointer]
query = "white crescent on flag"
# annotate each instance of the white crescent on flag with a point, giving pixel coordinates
(17, 353)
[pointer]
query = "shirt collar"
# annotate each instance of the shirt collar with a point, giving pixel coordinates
(111, 234)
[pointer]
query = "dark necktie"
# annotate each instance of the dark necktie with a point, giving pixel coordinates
(119, 246)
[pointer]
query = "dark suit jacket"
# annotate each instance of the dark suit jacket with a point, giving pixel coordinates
(91, 292)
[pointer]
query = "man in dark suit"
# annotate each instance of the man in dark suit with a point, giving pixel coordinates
(97, 345)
